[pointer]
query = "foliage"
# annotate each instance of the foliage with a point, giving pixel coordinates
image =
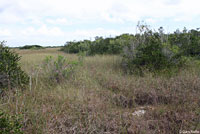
(108, 45)
(99, 45)
(150, 50)
(9, 124)
(32, 47)
(76, 47)
(11, 74)
(59, 69)
(187, 41)
(101, 99)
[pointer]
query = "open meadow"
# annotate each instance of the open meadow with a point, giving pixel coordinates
(99, 98)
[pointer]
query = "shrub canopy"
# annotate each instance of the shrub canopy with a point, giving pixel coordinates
(11, 74)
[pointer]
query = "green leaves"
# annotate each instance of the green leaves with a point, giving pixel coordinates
(9, 124)
(58, 69)
(11, 74)
(187, 41)
(99, 45)
(150, 50)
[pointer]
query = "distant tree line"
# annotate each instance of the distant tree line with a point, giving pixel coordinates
(149, 49)
(32, 47)
(99, 45)
(187, 42)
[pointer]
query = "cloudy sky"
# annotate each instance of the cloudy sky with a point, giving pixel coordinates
(53, 22)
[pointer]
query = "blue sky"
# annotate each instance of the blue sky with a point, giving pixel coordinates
(54, 22)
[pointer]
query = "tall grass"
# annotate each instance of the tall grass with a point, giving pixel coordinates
(100, 98)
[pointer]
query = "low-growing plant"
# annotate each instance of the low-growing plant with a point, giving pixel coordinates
(11, 74)
(10, 124)
(59, 69)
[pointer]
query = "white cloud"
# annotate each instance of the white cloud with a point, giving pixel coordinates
(150, 20)
(95, 32)
(109, 10)
(53, 18)
(59, 21)
(9, 18)
(42, 31)
(35, 21)
(5, 32)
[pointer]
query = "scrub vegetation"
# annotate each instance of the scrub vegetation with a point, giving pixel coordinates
(132, 84)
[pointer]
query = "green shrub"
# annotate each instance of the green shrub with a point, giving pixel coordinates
(150, 51)
(187, 41)
(11, 74)
(99, 46)
(76, 46)
(9, 124)
(59, 69)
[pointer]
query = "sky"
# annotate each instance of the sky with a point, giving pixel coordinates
(54, 22)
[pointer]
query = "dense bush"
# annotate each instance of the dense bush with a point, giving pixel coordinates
(59, 69)
(99, 45)
(76, 47)
(9, 124)
(108, 45)
(150, 50)
(32, 47)
(11, 74)
(187, 41)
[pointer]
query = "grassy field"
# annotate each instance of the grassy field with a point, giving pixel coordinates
(100, 99)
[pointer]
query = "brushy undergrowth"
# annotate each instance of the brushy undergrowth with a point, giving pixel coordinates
(151, 51)
(10, 124)
(98, 97)
(11, 74)
(57, 70)
(147, 51)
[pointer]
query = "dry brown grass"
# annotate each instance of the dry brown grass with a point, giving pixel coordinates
(100, 98)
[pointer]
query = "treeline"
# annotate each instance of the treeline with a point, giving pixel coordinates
(100, 45)
(32, 47)
(185, 41)
(149, 49)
